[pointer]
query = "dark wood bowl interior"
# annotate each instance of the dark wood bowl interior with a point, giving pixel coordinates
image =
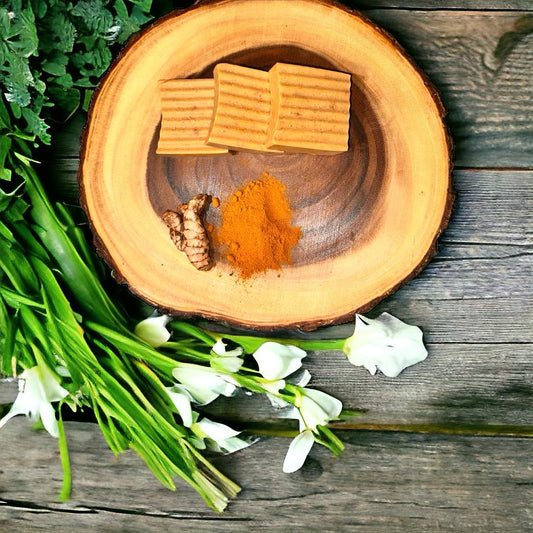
(334, 197)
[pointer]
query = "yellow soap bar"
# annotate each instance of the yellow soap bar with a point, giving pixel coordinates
(186, 112)
(310, 109)
(242, 108)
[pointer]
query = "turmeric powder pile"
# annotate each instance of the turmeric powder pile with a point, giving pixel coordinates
(256, 234)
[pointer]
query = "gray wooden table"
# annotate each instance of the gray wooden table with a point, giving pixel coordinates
(447, 445)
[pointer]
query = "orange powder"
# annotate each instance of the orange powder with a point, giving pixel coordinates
(256, 233)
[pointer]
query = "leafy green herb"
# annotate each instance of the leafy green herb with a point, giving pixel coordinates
(53, 52)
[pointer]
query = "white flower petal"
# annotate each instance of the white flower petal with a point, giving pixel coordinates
(51, 389)
(301, 379)
(219, 437)
(277, 361)
(330, 405)
(202, 396)
(318, 408)
(48, 418)
(19, 407)
(153, 329)
(215, 430)
(229, 445)
(227, 363)
(273, 386)
(220, 349)
(204, 384)
(276, 402)
(182, 401)
(386, 344)
(312, 414)
(63, 371)
(298, 451)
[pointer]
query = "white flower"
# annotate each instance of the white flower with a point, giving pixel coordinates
(181, 398)
(278, 360)
(222, 438)
(385, 344)
(204, 384)
(153, 329)
(228, 360)
(298, 451)
(38, 388)
(313, 408)
(316, 408)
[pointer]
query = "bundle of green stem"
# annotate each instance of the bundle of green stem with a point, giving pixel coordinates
(114, 373)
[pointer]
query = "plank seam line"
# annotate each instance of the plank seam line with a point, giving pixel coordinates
(490, 169)
(456, 260)
(460, 10)
(40, 508)
(466, 343)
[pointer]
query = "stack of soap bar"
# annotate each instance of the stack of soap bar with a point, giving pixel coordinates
(310, 109)
(186, 113)
(242, 108)
(291, 108)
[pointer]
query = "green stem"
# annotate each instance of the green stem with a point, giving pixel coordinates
(83, 283)
(330, 440)
(134, 347)
(194, 331)
(64, 495)
(489, 430)
(186, 351)
(251, 343)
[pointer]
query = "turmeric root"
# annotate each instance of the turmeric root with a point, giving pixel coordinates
(188, 232)
(174, 221)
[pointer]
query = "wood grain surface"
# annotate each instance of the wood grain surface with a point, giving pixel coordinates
(383, 483)
(433, 456)
(432, 5)
(481, 62)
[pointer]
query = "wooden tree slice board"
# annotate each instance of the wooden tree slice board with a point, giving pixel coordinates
(370, 217)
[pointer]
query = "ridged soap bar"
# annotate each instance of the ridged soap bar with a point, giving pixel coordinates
(186, 112)
(310, 109)
(242, 108)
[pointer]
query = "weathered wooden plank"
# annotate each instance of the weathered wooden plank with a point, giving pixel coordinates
(480, 386)
(457, 383)
(477, 5)
(481, 63)
(469, 321)
(484, 277)
(382, 482)
(491, 208)
(8, 391)
(471, 383)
